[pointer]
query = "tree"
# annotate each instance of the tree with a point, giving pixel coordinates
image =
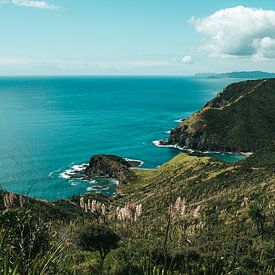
(97, 238)
(257, 215)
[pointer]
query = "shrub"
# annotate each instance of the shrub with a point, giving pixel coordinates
(97, 238)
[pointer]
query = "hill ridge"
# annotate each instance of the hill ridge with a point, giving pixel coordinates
(239, 119)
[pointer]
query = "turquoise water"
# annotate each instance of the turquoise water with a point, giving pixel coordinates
(48, 124)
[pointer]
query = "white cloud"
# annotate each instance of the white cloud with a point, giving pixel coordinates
(265, 47)
(187, 59)
(34, 4)
(239, 32)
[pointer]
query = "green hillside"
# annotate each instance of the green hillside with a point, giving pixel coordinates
(215, 232)
(240, 118)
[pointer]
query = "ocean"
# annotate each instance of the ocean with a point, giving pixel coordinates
(49, 125)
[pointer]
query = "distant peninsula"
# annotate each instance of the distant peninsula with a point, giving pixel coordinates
(242, 74)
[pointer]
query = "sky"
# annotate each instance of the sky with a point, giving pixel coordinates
(135, 37)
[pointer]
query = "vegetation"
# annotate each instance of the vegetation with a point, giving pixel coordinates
(97, 237)
(193, 215)
(26, 245)
(239, 119)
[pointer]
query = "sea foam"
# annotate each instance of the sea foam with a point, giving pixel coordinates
(74, 168)
(158, 143)
(97, 188)
(139, 162)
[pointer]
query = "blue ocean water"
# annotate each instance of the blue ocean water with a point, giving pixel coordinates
(48, 124)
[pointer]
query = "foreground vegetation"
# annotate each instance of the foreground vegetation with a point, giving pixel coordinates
(193, 215)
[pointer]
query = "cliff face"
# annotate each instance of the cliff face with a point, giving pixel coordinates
(110, 166)
(240, 118)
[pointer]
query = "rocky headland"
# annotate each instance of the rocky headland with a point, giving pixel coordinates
(110, 166)
(105, 166)
(239, 119)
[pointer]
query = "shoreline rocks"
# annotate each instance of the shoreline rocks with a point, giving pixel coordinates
(110, 166)
(104, 166)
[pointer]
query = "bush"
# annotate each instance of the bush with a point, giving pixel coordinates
(97, 238)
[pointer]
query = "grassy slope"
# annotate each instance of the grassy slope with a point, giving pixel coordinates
(222, 190)
(215, 185)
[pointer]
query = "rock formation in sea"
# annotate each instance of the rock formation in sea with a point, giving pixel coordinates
(239, 119)
(110, 166)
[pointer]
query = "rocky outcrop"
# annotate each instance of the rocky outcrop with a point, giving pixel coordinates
(240, 118)
(110, 166)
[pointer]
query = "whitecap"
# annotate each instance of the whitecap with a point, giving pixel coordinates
(74, 183)
(51, 174)
(247, 154)
(115, 181)
(140, 162)
(79, 167)
(97, 188)
(158, 144)
(74, 168)
(65, 175)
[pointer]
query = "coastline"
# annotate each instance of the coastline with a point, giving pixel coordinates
(48, 155)
(165, 144)
(77, 171)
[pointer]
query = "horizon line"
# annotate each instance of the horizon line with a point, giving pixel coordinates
(96, 75)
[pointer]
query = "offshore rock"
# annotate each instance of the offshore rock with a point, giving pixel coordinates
(110, 166)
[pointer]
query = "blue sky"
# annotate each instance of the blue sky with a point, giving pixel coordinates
(142, 37)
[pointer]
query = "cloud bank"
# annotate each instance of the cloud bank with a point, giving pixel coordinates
(34, 4)
(238, 32)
